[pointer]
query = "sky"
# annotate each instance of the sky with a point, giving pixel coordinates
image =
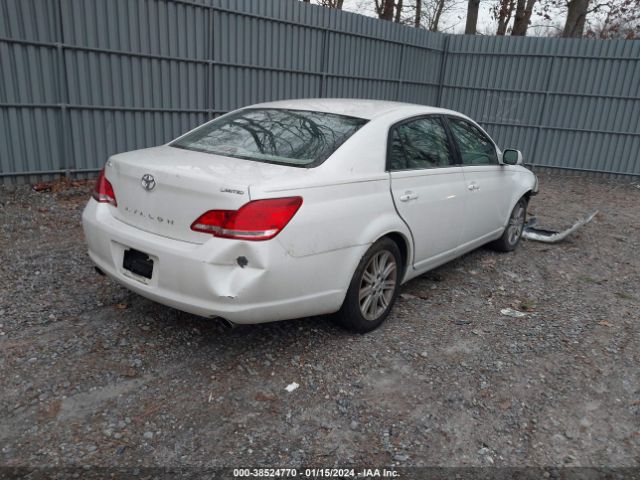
(454, 21)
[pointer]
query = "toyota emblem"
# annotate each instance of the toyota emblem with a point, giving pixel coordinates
(148, 182)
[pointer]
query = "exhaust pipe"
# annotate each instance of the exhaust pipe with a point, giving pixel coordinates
(227, 323)
(99, 272)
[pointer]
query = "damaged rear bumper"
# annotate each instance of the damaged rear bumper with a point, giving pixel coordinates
(243, 282)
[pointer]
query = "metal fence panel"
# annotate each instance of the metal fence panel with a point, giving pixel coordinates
(83, 79)
(33, 20)
(575, 101)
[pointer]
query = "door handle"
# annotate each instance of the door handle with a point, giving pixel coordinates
(473, 186)
(408, 196)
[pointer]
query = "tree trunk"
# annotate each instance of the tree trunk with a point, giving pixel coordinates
(472, 17)
(435, 22)
(339, 4)
(418, 19)
(576, 18)
(384, 9)
(504, 15)
(523, 16)
(399, 11)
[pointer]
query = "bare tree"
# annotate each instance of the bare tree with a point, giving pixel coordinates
(398, 11)
(590, 18)
(622, 21)
(429, 13)
(578, 12)
(434, 25)
(520, 6)
(524, 9)
(337, 4)
(473, 6)
(503, 13)
(576, 18)
(385, 9)
(621, 29)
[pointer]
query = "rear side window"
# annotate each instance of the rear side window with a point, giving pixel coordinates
(475, 147)
(419, 144)
(287, 137)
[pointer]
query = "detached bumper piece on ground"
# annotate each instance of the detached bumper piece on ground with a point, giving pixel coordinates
(552, 236)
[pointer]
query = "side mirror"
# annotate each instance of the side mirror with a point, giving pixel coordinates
(512, 157)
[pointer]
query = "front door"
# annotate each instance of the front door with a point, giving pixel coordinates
(486, 182)
(428, 189)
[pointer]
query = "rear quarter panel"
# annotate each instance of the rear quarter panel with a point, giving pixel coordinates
(340, 216)
(346, 200)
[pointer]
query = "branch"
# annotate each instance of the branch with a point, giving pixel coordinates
(546, 26)
(600, 5)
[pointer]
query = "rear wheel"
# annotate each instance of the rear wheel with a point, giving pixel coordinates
(513, 232)
(373, 288)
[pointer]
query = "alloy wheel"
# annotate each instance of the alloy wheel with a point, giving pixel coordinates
(516, 224)
(378, 285)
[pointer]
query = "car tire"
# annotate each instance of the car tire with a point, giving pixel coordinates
(373, 288)
(513, 231)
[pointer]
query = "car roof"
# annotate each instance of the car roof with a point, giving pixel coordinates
(358, 107)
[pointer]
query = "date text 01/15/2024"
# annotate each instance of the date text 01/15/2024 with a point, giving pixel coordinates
(364, 473)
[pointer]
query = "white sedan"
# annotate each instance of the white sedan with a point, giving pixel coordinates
(304, 207)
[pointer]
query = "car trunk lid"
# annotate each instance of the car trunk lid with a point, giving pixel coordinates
(163, 190)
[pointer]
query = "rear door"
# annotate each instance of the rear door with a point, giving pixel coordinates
(487, 190)
(428, 189)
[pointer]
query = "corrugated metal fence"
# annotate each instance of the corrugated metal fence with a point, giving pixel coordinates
(83, 79)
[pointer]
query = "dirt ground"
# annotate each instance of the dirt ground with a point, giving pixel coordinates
(92, 374)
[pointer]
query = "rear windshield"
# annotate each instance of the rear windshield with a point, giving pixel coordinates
(288, 137)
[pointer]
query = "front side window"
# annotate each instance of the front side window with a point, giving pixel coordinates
(287, 137)
(475, 147)
(418, 144)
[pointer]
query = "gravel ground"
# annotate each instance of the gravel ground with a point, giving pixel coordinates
(95, 375)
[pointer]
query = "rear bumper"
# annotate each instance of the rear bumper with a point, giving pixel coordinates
(243, 282)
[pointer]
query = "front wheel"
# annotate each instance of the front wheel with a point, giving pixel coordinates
(373, 288)
(513, 231)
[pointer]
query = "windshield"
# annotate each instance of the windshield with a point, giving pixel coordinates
(288, 137)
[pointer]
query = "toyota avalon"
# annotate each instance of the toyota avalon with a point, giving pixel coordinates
(304, 207)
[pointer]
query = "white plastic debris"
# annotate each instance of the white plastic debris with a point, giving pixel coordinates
(291, 387)
(510, 312)
(408, 296)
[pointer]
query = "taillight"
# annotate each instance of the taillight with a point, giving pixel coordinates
(257, 220)
(103, 191)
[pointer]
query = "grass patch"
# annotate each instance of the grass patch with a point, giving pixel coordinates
(587, 279)
(527, 305)
(625, 296)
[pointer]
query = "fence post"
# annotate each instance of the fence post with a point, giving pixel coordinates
(536, 137)
(66, 160)
(323, 63)
(399, 78)
(443, 66)
(209, 93)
